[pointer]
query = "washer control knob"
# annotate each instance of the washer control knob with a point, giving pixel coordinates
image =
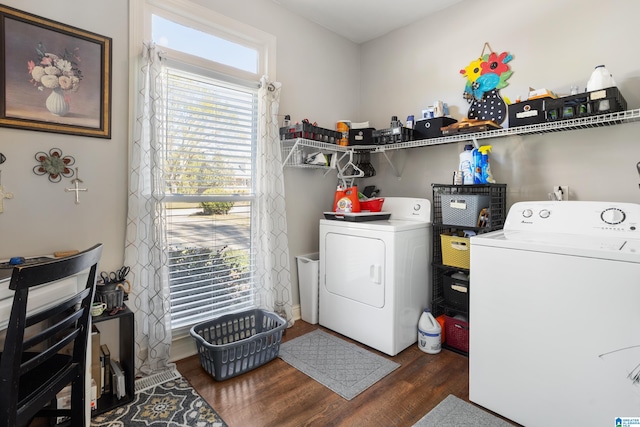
(613, 216)
(417, 207)
(544, 213)
(527, 213)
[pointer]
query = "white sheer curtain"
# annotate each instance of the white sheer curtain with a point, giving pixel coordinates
(273, 280)
(145, 235)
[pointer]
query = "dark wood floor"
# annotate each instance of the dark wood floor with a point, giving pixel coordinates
(277, 394)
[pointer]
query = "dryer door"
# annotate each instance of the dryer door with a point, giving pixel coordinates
(355, 268)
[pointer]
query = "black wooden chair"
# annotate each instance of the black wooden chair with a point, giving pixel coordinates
(37, 364)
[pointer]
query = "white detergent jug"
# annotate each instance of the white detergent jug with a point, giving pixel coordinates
(429, 332)
(600, 79)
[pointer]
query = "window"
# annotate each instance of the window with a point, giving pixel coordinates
(211, 135)
(211, 132)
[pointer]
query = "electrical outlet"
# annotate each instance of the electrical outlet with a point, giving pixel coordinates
(559, 191)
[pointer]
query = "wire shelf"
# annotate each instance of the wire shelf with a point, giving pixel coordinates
(599, 120)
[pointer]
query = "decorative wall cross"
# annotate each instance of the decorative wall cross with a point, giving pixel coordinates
(3, 195)
(76, 183)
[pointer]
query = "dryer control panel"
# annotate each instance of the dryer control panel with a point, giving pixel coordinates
(408, 208)
(576, 217)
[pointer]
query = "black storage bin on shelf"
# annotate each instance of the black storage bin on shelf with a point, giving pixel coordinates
(456, 290)
(392, 135)
(603, 101)
(529, 112)
(431, 128)
(308, 131)
(361, 136)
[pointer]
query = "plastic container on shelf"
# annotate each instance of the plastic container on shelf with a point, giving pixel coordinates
(429, 333)
(600, 79)
(466, 164)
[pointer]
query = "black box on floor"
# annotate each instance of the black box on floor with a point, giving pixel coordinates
(529, 112)
(430, 128)
(361, 136)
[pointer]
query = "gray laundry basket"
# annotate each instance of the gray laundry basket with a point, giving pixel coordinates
(235, 343)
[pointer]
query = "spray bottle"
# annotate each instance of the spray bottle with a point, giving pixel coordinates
(487, 176)
(477, 167)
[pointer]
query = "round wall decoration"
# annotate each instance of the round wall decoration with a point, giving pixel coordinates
(54, 165)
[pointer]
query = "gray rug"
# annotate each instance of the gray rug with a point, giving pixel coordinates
(454, 412)
(335, 363)
(173, 403)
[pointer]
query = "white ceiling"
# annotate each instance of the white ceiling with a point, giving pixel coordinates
(364, 20)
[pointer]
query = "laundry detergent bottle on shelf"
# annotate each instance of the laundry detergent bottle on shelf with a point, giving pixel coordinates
(467, 164)
(349, 201)
(429, 332)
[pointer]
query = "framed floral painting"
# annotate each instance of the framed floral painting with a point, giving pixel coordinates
(53, 77)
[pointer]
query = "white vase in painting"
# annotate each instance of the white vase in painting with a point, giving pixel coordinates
(56, 103)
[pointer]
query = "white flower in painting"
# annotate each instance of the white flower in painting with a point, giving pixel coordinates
(37, 73)
(49, 81)
(75, 83)
(65, 83)
(65, 67)
(52, 71)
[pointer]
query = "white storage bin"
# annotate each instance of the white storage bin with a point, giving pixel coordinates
(308, 285)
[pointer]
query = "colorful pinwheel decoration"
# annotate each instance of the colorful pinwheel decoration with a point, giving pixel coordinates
(486, 73)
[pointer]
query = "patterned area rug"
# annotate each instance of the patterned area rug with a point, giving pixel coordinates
(172, 404)
(335, 363)
(455, 412)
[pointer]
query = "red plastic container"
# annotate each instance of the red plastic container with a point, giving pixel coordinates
(372, 205)
(457, 333)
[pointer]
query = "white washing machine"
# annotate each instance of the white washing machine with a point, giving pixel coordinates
(555, 317)
(375, 276)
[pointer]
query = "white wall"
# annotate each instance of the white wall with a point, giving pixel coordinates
(320, 76)
(42, 217)
(555, 44)
(326, 78)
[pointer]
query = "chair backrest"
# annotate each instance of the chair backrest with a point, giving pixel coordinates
(62, 326)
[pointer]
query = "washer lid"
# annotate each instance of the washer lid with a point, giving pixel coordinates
(605, 247)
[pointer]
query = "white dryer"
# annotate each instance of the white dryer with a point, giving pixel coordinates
(375, 276)
(554, 318)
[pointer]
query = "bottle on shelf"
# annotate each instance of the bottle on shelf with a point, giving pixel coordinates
(410, 121)
(600, 79)
(395, 123)
(467, 164)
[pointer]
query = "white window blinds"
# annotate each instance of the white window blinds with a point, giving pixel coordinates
(211, 136)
